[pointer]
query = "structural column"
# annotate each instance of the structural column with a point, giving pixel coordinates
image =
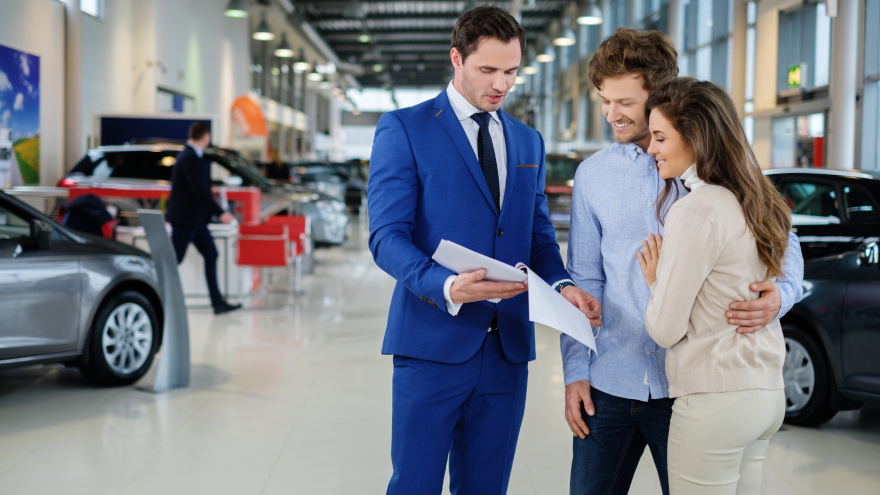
(843, 86)
(72, 83)
(676, 23)
(737, 74)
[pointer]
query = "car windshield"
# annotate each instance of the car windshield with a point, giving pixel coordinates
(149, 165)
(12, 226)
(243, 167)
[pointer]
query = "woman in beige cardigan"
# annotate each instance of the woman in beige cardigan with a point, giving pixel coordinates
(730, 230)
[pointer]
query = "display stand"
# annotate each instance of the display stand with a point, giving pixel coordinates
(173, 369)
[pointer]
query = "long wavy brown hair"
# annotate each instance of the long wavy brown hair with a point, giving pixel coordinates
(707, 120)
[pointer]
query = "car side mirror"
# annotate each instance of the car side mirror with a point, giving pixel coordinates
(869, 254)
(42, 232)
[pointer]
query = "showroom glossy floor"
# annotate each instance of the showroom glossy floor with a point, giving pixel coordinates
(298, 402)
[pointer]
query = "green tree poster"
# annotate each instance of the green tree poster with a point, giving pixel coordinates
(19, 117)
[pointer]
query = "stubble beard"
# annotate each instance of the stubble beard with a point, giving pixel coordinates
(635, 134)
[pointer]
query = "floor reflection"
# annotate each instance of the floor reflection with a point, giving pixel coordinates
(296, 400)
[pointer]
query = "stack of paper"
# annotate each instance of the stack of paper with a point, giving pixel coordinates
(546, 306)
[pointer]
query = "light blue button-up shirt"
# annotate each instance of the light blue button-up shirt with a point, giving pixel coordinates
(613, 210)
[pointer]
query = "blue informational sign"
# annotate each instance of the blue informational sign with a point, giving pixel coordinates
(178, 103)
(117, 130)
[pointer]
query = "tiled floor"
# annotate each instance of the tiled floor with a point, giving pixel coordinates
(298, 402)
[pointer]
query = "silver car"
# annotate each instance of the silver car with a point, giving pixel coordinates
(76, 299)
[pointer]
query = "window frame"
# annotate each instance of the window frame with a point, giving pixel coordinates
(870, 133)
(718, 44)
(98, 13)
(834, 187)
(797, 43)
(863, 190)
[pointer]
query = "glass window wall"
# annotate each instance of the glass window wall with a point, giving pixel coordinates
(804, 50)
(707, 33)
(749, 106)
(870, 155)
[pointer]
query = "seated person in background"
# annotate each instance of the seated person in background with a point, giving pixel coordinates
(88, 213)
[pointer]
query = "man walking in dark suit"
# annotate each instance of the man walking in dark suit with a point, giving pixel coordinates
(456, 167)
(190, 207)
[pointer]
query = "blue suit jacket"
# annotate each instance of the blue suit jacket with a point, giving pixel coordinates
(426, 185)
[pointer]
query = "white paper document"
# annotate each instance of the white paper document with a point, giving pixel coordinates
(461, 259)
(546, 306)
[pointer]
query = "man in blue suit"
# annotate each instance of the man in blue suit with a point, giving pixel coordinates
(458, 168)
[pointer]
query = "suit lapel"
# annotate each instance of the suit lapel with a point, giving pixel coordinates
(510, 143)
(444, 113)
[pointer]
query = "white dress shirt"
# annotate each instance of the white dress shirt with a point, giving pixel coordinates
(463, 110)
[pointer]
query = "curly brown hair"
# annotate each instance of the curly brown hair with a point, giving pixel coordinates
(487, 21)
(707, 120)
(650, 54)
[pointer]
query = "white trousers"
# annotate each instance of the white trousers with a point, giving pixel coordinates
(717, 441)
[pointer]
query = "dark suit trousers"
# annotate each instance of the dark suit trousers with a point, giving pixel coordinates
(204, 242)
(469, 413)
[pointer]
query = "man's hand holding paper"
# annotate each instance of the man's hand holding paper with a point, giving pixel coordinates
(549, 308)
(589, 305)
(473, 286)
(482, 278)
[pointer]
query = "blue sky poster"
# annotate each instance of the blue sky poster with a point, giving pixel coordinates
(20, 111)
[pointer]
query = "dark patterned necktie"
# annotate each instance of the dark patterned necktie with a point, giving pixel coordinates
(486, 152)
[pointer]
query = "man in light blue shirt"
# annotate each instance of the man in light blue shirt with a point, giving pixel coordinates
(617, 399)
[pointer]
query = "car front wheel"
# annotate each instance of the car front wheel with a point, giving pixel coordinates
(807, 379)
(122, 342)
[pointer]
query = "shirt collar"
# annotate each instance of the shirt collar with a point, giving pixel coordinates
(631, 150)
(691, 181)
(200, 152)
(464, 109)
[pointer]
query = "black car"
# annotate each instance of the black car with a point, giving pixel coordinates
(832, 335)
(832, 338)
(832, 211)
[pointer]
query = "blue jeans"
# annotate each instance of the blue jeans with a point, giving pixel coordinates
(605, 462)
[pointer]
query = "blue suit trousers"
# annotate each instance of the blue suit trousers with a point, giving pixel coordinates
(469, 413)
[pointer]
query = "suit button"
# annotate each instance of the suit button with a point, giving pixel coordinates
(500, 232)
